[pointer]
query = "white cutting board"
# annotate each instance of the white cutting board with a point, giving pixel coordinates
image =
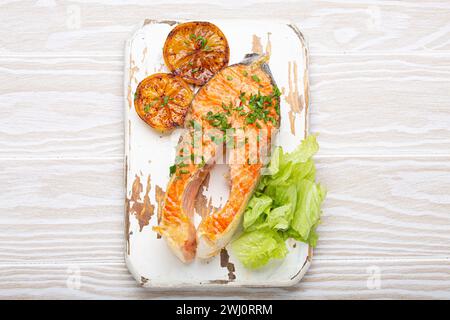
(149, 155)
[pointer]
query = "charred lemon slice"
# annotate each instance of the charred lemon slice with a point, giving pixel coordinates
(196, 51)
(162, 100)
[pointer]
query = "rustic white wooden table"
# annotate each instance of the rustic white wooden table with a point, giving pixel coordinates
(380, 86)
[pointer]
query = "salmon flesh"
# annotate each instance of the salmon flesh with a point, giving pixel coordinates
(235, 113)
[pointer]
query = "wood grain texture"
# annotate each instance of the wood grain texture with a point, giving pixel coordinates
(72, 210)
(101, 27)
(53, 210)
(379, 74)
(365, 105)
(381, 105)
(384, 207)
(326, 279)
(61, 107)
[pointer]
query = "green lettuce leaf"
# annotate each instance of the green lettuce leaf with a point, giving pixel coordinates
(274, 165)
(254, 249)
(280, 217)
(307, 211)
(255, 208)
(304, 151)
(287, 204)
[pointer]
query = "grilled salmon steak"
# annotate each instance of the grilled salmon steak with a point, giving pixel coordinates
(237, 109)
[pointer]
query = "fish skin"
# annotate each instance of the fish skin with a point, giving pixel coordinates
(216, 230)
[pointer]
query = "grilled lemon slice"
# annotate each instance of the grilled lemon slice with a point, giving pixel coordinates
(162, 100)
(196, 51)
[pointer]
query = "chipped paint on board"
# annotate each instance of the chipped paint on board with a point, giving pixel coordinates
(147, 208)
(144, 54)
(293, 98)
(256, 44)
(225, 263)
(143, 210)
(159, 68)
(268, 45)
(305, 66)
(153, 21)
(127, 211)
(127, 225)
(132, 76)
(219, 281)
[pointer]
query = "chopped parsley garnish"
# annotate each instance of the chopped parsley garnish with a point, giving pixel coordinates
(216, 139)
(255, 78)
(250, 119)
(273, 120)
(202, 41)
(259, 112)
(219, 120)
(148, 106)
(228, 108)
(194, 124)
(277, 108)
(180, 159)
(166, 100)
(229, 141)
(242, 97)
(276, 92)
(229, 78)
(179, 163)
(259, 108)
(245, 73)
